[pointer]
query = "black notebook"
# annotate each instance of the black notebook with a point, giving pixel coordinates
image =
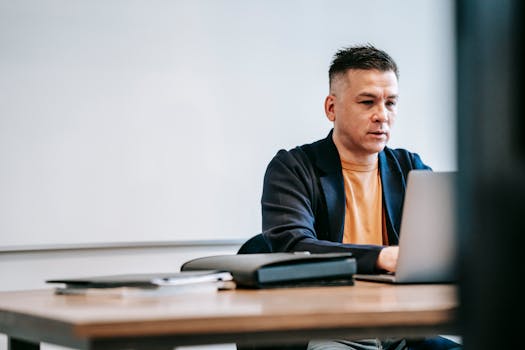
(281, 269)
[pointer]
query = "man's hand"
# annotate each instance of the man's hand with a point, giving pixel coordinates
(387, 259)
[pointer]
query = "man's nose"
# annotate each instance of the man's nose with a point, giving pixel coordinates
(381, 114)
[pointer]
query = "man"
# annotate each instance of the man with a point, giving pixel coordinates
(345, 192)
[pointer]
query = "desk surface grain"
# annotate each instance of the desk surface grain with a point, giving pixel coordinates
(363, 305)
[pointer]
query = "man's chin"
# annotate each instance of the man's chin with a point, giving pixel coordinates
(376, 148)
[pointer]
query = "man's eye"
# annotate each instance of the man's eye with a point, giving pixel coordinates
(391, 103)
(367, 102)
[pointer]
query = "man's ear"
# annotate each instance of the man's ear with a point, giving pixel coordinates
(329, 107)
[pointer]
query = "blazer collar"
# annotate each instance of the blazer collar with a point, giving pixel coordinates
(393, 185)
(326, 156)
(326, 159)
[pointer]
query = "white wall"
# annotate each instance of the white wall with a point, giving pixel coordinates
(154, 120)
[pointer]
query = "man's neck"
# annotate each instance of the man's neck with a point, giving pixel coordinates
(360, 158)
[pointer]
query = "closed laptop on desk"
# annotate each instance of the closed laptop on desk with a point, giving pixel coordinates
(427, 244)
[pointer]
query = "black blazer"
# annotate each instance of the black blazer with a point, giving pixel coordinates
(303, 200)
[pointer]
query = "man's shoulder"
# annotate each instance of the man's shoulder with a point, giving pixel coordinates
(304, 151)
(321, 153)
(298, 154)
(404, 158)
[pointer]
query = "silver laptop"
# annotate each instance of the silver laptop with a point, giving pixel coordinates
(427, 243)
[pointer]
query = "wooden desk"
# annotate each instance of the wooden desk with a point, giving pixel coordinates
(262, 316)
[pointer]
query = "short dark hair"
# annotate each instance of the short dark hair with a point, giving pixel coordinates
(361, 57)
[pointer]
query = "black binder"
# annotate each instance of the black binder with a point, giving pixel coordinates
(281, 269)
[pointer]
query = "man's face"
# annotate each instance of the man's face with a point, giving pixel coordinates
(362, 105)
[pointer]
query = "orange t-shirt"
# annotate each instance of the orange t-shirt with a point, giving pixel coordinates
(364, 220)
